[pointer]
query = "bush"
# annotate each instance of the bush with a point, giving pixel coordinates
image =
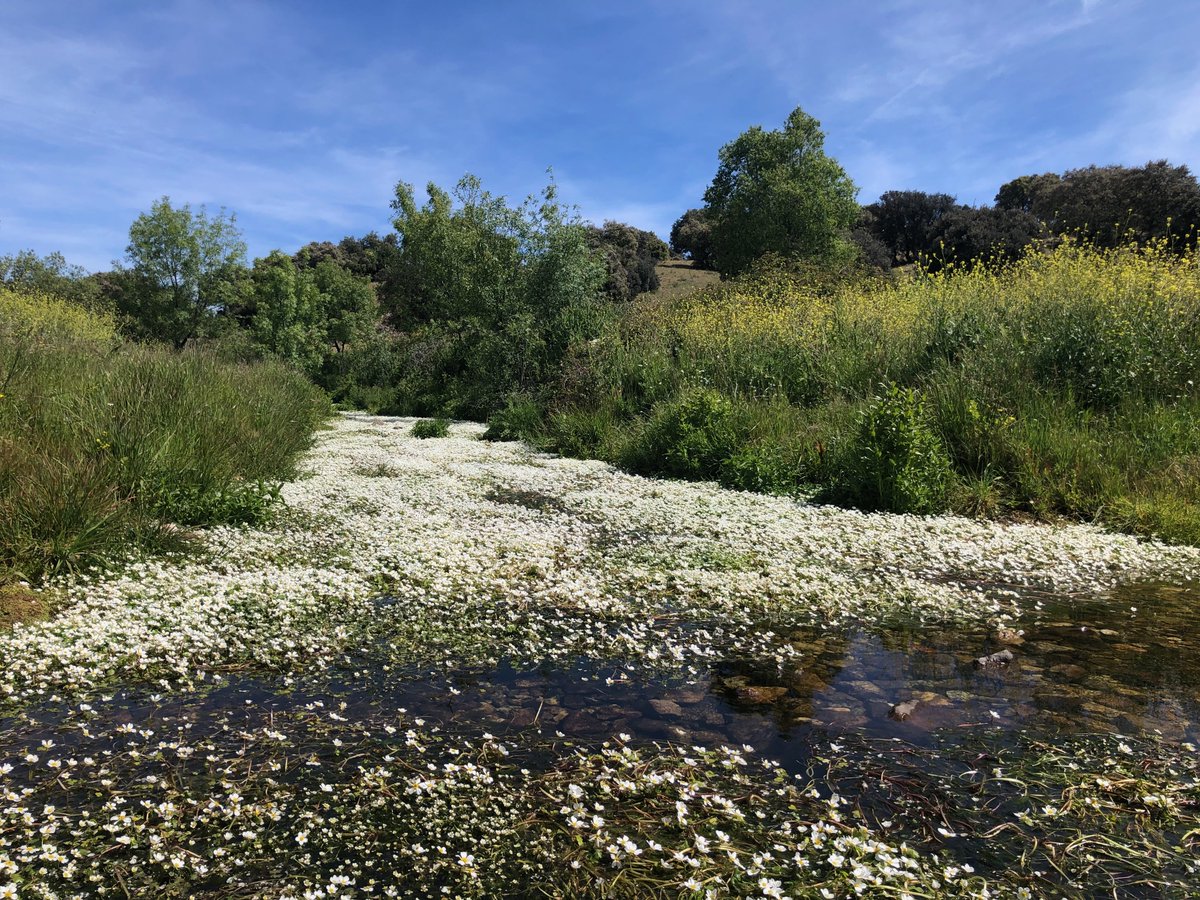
(521, 419)
(1060, 384)
(896, 462)
(688, 437)
(431, 428)
(101, 443)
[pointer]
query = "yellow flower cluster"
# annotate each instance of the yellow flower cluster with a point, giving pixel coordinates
(25, 315)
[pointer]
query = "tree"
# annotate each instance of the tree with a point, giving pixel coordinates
(186, 266)
(691, 236)
(288, 319)
(630, 255)
(1029, 193)
(347, 304)
(488, 296)
(966, 234)
(1111, 205)
(778, 191)
(371, 256)
(907, 222)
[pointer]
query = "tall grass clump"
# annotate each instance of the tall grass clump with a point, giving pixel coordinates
(1063, 384)
(104, 445)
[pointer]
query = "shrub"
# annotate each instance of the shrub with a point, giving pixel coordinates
(431, 428)
(896, 461)
(520, 420)
(689, 437)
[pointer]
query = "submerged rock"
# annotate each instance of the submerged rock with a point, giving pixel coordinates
(995, 660)
(666, 707)
(1069, 671)
(690, 695)
(755, 694)
(902, 711)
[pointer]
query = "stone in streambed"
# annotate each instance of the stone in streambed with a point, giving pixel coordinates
(666, 707)
(689, 695)
(879, 709)
(995, 660)
(902, 711)
(581, 723)
(1069, 671)
(522, 718)
(758, 694)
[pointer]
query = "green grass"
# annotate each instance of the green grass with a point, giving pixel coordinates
(107, 446)
(679, 277)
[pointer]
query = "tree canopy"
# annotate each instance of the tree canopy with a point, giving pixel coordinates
(934, 229)
(489, 295)
(630, 255)
(186, 267)
(1111, 205)
(26, 271)
(778, 191)
(691, 236)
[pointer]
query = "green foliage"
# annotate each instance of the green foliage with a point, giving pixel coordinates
(431, 428)
(490, 297)
(348, 306)
(630, 256)
(1063, 383)
(185, 267)
(51, 275)
(289, 319)
(935, 230)
(968, 234)
(896, 461)
(103, 444)
(240, 502)
(778, 191)
(691, 236)
(520, 419)
(906, 222)
(689, 437)
(1112, 205)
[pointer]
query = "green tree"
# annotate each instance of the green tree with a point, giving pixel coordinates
(488, 297)
(347, 304)
(966, 234)
(288, 318)
(778, 191)
(691, 236)
(51, 274)
(1112, 204)
(187, 267)
(371, 257)
(630, 255)
(907, 222)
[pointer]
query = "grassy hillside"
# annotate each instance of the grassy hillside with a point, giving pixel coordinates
(1062, 385)
(678, 277)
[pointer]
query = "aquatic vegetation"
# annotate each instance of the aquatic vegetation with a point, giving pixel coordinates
(237, 722)
(609, 574)
(307, 796)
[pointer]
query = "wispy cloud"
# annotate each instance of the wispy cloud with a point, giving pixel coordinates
(302, 118)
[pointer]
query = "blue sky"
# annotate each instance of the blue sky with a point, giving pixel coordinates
(301, 116)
